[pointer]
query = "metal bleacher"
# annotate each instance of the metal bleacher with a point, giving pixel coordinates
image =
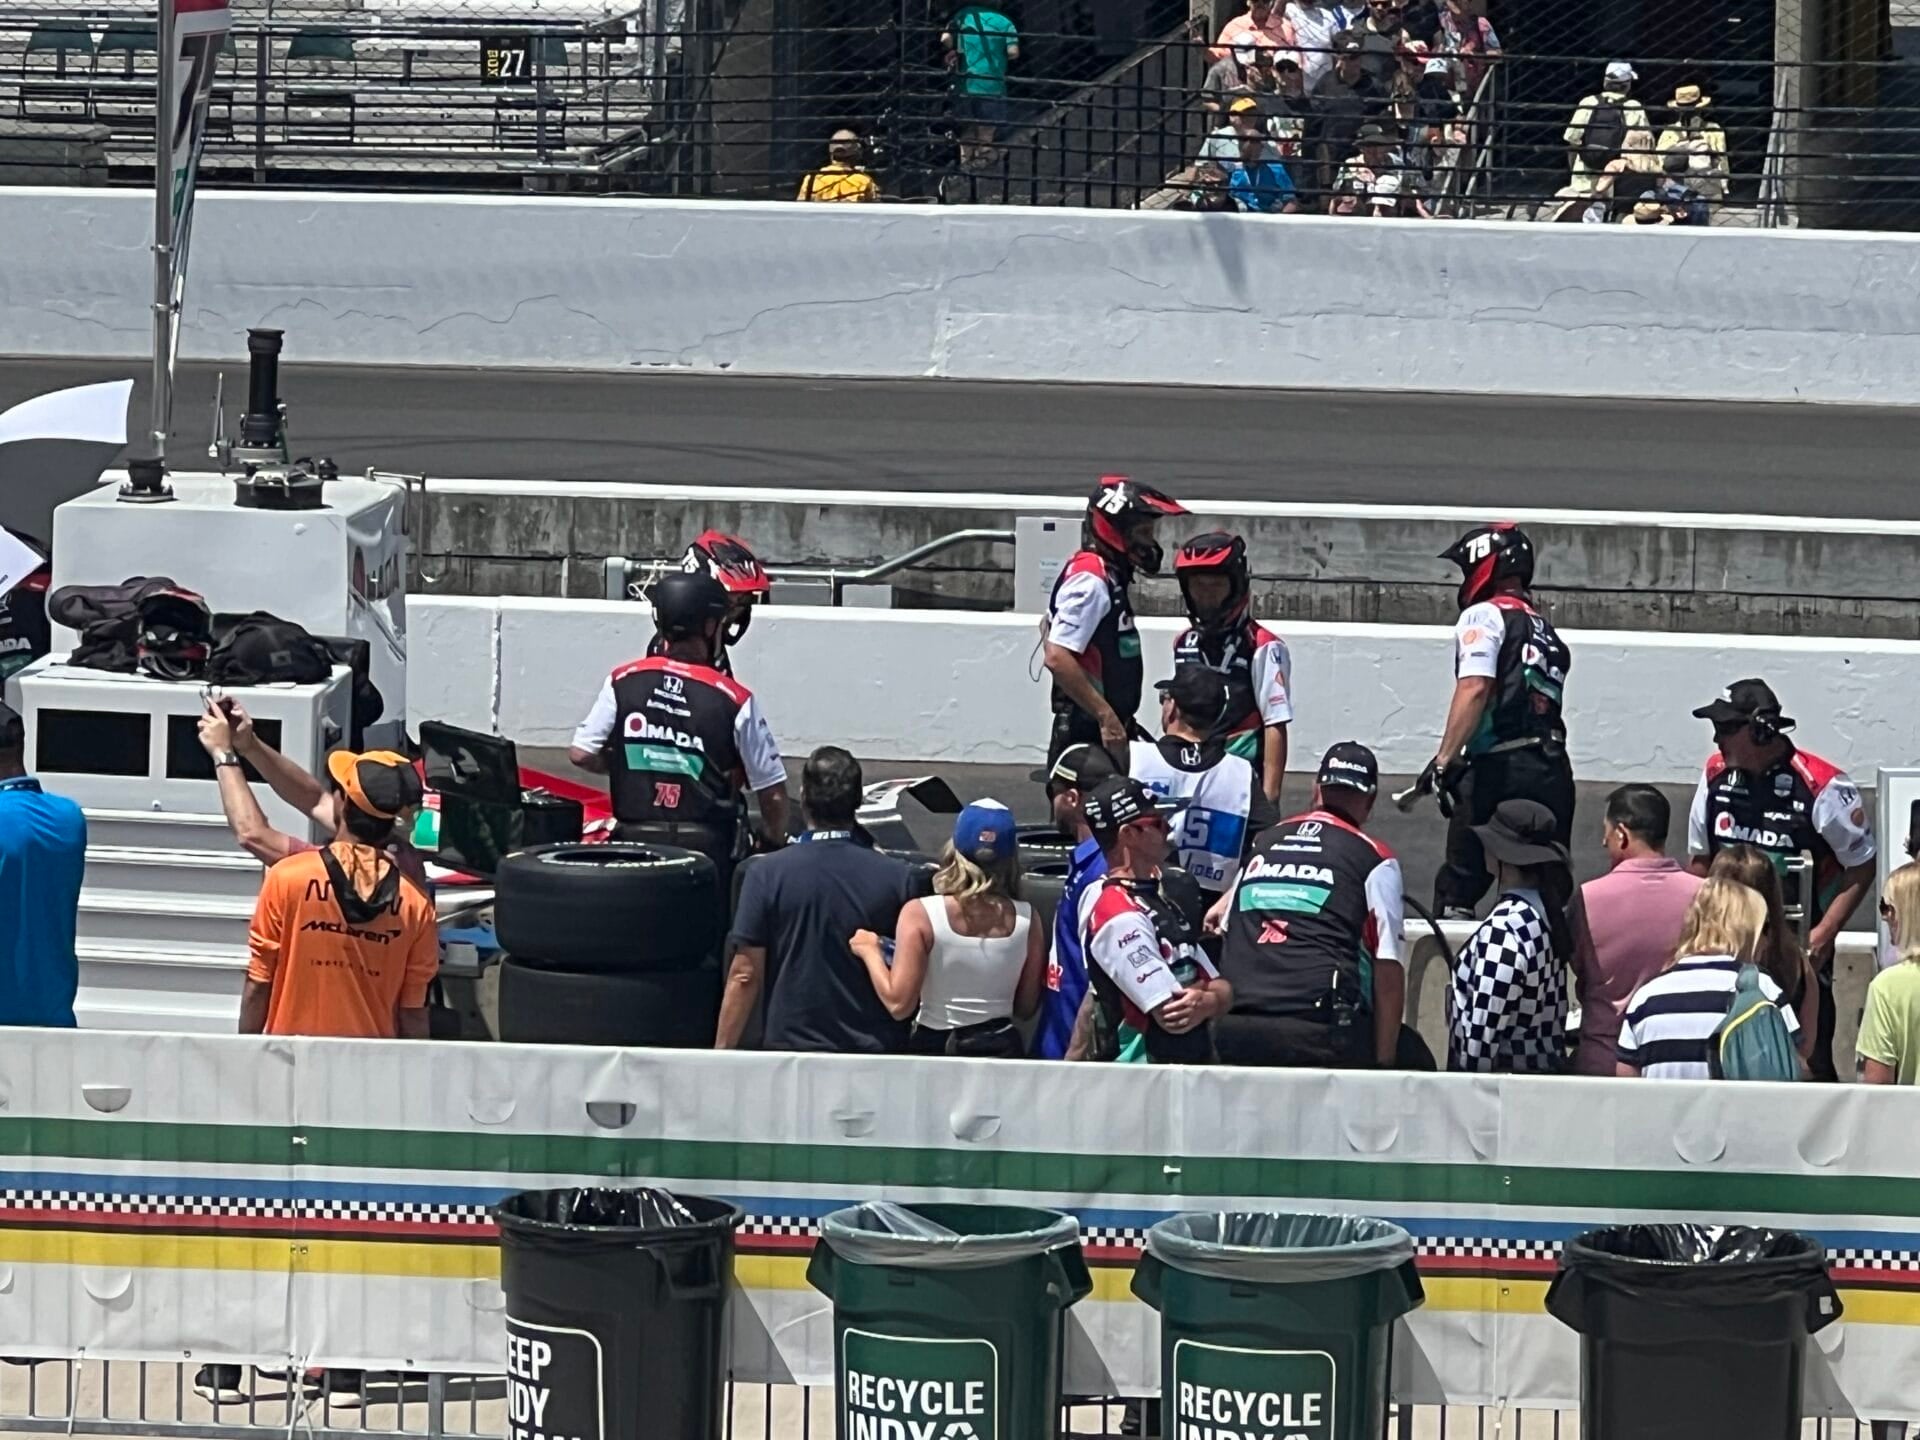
(377, 93)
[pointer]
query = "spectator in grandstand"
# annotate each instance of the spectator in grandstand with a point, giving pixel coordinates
(1386, 200)
(1345, 98)
(1432, 129)
(1649, 209)
(970, 958)
(844, 176)
(1627, 922)
(1889, 1045)
(1609, 125)
(1471, 42)
(1274, 83)
(1507, 1009)
(1315, 23)
(1263, 24)
(1380, 34)
(1206, 191)
(1244, 122)
(1780, 953)
(1260, 183)
(43, 858)
(1667, 1031)
(980, 44)
(797, 908)
(1680, 198)
(1588, 205)
(1698, 142)
(1357, 181)
(228, 736)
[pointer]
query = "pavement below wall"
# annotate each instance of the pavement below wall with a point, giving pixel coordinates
(955, 435)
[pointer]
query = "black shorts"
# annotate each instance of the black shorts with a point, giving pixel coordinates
(989, 112)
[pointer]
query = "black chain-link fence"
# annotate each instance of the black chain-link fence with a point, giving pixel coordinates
(1754, 112)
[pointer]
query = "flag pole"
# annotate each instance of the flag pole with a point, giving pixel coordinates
(166, 106)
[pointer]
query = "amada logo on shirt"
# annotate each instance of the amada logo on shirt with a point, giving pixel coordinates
(1725, 828)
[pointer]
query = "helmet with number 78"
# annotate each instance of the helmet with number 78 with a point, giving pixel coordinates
(1488, 555)
(1117, 515)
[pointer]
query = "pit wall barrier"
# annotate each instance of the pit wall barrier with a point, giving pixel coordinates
(323, 1201)
(951, 687)
(1006, 293)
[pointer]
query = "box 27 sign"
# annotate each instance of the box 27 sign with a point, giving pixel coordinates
(899, 1389)
(1220, 1393)
(553, 1383)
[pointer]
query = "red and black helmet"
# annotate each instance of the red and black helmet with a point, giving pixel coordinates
(1487, 556)
(727, 559)
(1215, 553)
(1117, 507)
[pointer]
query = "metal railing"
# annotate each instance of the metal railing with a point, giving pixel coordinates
(627, 579)
(156, 1399)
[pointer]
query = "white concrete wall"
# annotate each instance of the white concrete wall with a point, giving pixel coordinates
(992, 293)
(953, 688)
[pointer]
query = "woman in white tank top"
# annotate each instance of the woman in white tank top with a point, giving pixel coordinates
(968, 960)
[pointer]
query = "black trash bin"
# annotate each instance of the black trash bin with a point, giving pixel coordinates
(616, 1313)
(1692, 1330)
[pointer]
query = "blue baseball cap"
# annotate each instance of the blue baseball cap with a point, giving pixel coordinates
(985, 832)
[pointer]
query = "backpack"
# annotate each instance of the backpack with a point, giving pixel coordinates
(1753, 1042)
(1605, 134)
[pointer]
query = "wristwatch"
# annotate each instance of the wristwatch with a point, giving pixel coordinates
(224, 758)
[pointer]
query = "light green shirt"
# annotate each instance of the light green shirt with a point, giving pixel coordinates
(1890, 1030)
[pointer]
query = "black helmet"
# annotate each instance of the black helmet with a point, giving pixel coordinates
(1487, 556)
(683, 603)
(727, 559)
(1116, 507)
(1215, 553)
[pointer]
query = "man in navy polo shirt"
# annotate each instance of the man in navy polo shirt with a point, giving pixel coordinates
(43, 856)
(1078, 770)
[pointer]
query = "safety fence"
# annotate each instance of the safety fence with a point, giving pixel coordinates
(131, 1398)
(290, 1204)
(697, 97)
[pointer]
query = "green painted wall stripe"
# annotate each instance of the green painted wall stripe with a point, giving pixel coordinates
(861, 1166)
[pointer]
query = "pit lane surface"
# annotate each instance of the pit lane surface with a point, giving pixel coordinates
(947, 435)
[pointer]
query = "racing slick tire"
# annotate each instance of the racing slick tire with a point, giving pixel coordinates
(674, 1009)
(616, 908)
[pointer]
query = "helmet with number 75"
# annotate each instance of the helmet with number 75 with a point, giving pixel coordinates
(1489, 555)
(1120, 515)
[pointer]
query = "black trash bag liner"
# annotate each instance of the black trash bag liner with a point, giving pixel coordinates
(641, 1212)
(1692, 1268)
(1272, 1247)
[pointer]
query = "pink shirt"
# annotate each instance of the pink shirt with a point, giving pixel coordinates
(1276, 34)
(1625, 927)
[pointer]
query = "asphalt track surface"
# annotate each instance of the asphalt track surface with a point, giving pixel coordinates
(951, 435)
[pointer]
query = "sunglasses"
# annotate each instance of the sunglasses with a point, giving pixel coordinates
(1728, 728)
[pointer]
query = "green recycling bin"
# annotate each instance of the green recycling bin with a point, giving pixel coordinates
(946, 1318)
(1276, 1324)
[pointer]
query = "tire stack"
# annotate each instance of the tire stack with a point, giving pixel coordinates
(614, 944)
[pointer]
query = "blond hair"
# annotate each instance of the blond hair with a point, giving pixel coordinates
(1903, 898)
(1725, 918)
(962, 878)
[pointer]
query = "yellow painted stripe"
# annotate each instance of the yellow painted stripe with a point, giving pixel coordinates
(130, 1251)
(1467, 1293)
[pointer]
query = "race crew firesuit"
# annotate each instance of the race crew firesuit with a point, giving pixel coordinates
(1802, 804)
(1142, 945)
(1805, 804)
(1520, 748)
(1317, 903)
(1091, 614)
(683, 743)
(1258, 670)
